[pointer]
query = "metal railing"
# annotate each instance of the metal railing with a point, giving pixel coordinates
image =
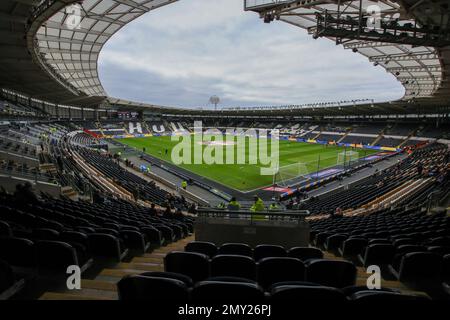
(294, 216)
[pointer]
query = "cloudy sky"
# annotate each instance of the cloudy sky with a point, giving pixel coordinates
(183, 53)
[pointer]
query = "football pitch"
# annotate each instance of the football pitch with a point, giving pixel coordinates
(301, 158)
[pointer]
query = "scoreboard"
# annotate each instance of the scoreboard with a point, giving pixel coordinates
(128, 115)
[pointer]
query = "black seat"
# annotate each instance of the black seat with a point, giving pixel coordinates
(167, 232)
(134, 240)
(219, 292)
(208, 248)
(170, 275)
(441, 250)
(153, 235)
(236, 249)
(338, 274)
(273, 270)
(268, 251)
(45, 234)
(105, 245)
(194, 265)
(302, 293)
(401, 251)
(139, 287)
(75, 237)
(348, 291)
(334, 242)
(233, 266)
(369, 296)
(446, 275)
(378, 254)
(6, 277)
(421, 269)
(18, 252)
(55, 256)
(352, 247)
(305, 253)
(5, 229)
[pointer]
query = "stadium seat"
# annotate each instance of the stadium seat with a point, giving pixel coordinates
(400, 252)
(9, 285)
(378, 254)
(334, 242)
(302, 293)
(134, 240)
(441, 250)
(421, 269)
(338, 274)
(305, 253)
(265, 251)
(353, 247)
(446, 275)
(273, 270)
(219, 292)
(75, 237)
(233, 266)
(18, 252)
(375, 296)
(55, 256)
(45, 234)
(192, 264)
(106, 246)
(348, 291)
(171, 275)
(5, 229)
(208, 248)
(139, 287)
(236, 249)
(6, 277)
(167, 233)
(153, 235)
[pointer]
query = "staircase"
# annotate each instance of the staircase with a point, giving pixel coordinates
(69, 193)
(146, 126)
(104, 285)
(344, 136)
(407, 139)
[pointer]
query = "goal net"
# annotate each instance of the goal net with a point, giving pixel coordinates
(347, 158)
(287, 175)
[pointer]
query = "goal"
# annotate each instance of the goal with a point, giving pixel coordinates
(289, 174)
(347, 158)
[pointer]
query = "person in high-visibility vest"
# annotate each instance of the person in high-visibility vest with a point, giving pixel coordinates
(234, 204)
(221, 205)
(273, 206)
(258, 205)
(184, 184)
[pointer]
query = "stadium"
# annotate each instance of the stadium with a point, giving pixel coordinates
(104, 198)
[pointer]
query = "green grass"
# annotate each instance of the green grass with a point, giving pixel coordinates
(246, 176)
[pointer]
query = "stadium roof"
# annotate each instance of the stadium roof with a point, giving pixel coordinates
(55, 59)
(421, 69)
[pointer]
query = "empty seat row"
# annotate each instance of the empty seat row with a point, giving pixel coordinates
(266, 272)
(179, 288)
(259, 252)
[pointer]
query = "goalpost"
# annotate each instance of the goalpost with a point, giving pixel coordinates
(285, 175)
(347, 158)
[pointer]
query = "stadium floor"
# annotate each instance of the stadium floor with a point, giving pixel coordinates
(301, 159)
